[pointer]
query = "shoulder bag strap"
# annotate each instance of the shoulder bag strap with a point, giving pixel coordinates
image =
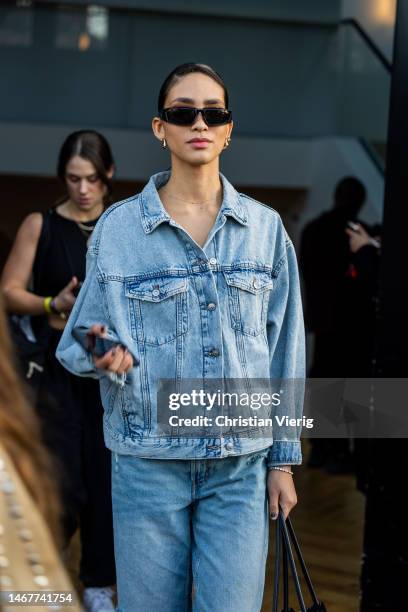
(43, 243)
(318, 606)
(281, 558)
(276, 577)
(286, 543)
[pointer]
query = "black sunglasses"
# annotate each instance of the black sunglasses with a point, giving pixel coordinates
(187, 115)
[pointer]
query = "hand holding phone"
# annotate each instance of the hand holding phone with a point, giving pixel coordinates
(96, 345)
(359, 237)
(353, 226)
(77, 289)
(107, 353)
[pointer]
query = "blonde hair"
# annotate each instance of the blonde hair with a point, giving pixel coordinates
(20, 435)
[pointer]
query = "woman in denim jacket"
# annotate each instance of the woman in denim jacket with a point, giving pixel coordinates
(190, 280)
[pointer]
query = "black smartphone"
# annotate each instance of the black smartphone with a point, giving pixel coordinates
(77, 289)
(93, 344)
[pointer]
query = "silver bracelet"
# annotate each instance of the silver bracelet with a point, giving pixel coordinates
(274, 467)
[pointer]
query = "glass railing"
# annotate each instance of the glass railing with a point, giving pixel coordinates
(364, 90)
(94, 66)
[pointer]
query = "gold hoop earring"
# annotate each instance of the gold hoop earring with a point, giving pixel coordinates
(227, 142)
(164, 143)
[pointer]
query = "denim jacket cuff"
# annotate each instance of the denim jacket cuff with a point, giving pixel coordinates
(119, 379)
(284, 452)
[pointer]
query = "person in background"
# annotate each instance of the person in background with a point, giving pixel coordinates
(325, 262)
(41, 278)
(5, 246)
(29, 503)
(383, 564)
(365, 249)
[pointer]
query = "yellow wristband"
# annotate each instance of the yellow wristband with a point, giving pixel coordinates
(47, 305)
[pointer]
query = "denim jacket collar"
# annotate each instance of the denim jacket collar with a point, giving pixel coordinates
(231, 310)
(153, 212)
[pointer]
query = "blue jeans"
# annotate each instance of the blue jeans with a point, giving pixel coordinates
(184, 526)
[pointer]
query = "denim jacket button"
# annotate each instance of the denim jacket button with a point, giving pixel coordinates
(229, 445)
(214, 353)
(211, 306)
(212, 261)
(156, 292)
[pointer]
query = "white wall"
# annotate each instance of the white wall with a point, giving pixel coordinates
(377, 17)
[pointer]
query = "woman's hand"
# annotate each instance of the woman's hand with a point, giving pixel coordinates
(281, 492)
(358, 238)
(117, 360)
(65, 299)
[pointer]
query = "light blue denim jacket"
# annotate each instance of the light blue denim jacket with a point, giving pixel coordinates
(155, 289)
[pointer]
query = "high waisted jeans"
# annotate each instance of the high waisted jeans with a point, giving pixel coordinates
(190, 535)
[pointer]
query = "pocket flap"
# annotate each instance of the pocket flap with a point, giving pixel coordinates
(254, 281)
(155, 289)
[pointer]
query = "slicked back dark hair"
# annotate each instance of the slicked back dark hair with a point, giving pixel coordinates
(93, 147)
(181, 71)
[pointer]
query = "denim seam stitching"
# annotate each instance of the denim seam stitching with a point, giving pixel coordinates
(98, 237)
(278, 266)
(270, 208)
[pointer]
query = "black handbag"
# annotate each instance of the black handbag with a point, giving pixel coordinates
(30, 346)
(30, 350)
(284, 558)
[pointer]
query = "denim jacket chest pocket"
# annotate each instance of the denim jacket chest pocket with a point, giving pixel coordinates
(248, 295)
(158, 309)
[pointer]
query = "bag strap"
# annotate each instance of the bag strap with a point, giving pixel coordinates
(306, 575)
(43, 243)
(285, 533)
(286, 580)
(282, 557)
(288, 548)
(276, 577)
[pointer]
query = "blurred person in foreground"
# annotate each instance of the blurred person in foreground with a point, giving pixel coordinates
(325, 261)
(29, 505)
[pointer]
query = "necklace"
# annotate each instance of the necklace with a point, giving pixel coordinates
(81, 224)
(200, 204)
(85, 228)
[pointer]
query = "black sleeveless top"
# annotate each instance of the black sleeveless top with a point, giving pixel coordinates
(61, 253)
